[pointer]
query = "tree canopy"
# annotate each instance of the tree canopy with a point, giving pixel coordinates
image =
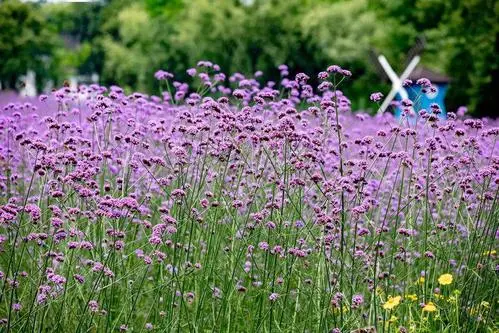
(125, 41)
(26, 42)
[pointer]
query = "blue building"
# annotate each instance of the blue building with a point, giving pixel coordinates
(423, 101)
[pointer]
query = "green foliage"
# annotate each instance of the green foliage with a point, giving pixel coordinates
(238, 38)
(343, 31)
(80, 24)
(130, 39)
(168, 8)
(474, 63)
(26, 42)
(132, 57)
(69, 60)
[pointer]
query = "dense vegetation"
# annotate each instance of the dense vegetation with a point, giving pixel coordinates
(125, 40)
(245, 207)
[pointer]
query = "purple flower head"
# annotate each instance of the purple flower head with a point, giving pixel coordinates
(346, 73)
(334, 69)
(407, 83)
(263, 246)
(424, 82)
(461, 111)
(79, 278)
(282, 67)
(93, 306)
(205, 63)
(162, 75)
(376, 97)
(302, 78)
(357, 301)
(239, 93)
(299, 224)
(34, 211)
(323, 75)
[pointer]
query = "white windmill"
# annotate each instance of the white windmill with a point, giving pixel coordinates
(385, 69)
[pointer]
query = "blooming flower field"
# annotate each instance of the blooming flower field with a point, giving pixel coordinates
(245, 207)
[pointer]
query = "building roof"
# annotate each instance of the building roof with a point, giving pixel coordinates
(433, 76)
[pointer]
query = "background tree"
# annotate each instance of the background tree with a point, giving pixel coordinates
(126, 41)
(79, 24)
(134, 46)
(26, 43)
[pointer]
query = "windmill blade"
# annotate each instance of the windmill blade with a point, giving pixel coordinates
(388, 100)
(417, 49)
(388, 69)
(396, 81)
(410, 68)
(373, 58)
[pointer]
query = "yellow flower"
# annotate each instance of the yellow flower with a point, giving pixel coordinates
(421, 280)
(412, 297)
(485, 304)
(345, 309)
(445, 279)
(490, 253)
(430, 307)
(392, 302)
